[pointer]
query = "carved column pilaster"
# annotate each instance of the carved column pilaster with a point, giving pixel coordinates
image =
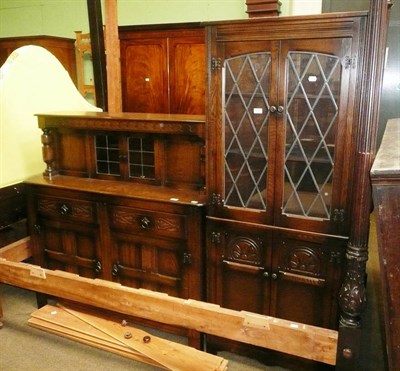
(352, 296)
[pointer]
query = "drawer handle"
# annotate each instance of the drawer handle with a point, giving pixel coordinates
(65, 209)
(145, 222)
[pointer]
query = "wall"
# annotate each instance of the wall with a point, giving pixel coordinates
(63, 17)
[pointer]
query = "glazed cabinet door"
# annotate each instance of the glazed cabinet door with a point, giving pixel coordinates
(280, 132)
(238, 267)
(243, 130)
(314, 136)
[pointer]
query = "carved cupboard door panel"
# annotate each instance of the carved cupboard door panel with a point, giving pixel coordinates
(66, 233)
(155, 250)
(238, 267)
(306, 276)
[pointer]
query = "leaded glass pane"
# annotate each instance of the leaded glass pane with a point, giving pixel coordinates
(246, 111)
(313, 82)
(107, 154)
(141, 158)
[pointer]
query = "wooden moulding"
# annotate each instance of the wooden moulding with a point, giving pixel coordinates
(297, 339)
(263, 8)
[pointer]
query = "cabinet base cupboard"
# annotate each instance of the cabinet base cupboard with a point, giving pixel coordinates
(115, 204)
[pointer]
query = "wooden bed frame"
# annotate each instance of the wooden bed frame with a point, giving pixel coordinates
(310, 342)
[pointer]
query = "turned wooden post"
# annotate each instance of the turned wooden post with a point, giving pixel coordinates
(48, 153)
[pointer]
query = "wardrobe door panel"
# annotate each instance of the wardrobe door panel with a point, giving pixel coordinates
(144, 68)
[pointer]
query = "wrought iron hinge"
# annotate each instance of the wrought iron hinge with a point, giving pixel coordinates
(349, 62)
(37, 228)
(338, 215)
(215, 199)
(335, 257)
(215, 64)
(216, 237)
(187, 258)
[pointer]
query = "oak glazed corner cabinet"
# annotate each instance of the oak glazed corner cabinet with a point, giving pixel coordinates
(282, 98)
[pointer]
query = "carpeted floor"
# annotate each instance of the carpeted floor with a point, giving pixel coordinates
(25, 348)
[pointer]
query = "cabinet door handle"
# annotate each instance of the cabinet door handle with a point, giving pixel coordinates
(145, 222)
(280, 109)
(98, 266)
(272, 109)
(115, 270)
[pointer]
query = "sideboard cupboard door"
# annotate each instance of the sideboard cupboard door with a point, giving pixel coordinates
(65, 233)
(239, 267)
(307, 271)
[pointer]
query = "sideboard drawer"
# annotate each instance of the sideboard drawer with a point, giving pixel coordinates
(145, 221)
(67, 209)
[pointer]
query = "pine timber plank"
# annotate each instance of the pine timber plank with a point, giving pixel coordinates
(173, 356)
(58, 321)
(298, 339)
(17, 251)
(113, 58)
(60, 331)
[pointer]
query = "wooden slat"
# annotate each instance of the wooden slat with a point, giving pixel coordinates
(173, 356)
(298, 339)
(113, 57)
(58, 321)
(17, 251)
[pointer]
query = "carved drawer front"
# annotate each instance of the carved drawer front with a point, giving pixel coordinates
(144, 221)
(67, 209)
